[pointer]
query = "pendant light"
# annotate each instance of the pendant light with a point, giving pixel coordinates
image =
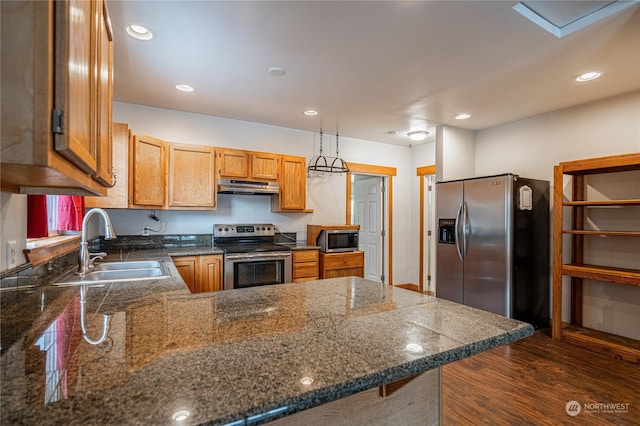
(321, 164)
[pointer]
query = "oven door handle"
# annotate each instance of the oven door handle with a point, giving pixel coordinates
(257, 256)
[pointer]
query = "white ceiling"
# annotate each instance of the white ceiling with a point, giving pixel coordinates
(368, 67)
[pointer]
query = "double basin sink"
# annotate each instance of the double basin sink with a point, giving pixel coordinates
(119, 272)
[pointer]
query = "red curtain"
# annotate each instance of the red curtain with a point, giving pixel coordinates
(70, 212)
(37, 216)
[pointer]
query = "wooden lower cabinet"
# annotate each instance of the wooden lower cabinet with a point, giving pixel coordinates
(335, 265)
(200, 273)
(305, 265)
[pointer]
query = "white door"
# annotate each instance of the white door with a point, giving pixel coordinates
(429, 242)
(367, 211)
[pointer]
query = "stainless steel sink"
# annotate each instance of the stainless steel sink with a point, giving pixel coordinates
(121, 266)
(119, 272)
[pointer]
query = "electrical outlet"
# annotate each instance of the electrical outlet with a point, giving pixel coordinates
(145, 231)
(11, 254)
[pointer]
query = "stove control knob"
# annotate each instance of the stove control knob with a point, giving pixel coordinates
(220, 229)
(226, 229)
(268, 228)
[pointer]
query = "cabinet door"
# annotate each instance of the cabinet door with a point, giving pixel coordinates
(149, 172)
(191, 176)
(264, 166)
(75, 81)
(293, 183)
(186, 266)
(210, 273)
(233, 163)
(104, 78)
(117, 196)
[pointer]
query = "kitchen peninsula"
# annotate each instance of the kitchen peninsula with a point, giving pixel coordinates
(246, 356)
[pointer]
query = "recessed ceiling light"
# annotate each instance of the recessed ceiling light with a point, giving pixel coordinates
(139, 32)
(417, 135)
(462, 116)
(392, 132)
(311, 112)
(277, 71)
(184, 88)
(587, 76)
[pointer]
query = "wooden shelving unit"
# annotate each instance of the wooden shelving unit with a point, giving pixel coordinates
(577, 270)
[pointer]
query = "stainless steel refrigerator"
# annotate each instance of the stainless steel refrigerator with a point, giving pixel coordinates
(493, 245)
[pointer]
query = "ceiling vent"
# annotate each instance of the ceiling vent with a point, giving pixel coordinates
(561, 18)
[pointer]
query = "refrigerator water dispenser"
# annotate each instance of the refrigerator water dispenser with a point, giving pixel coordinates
(446, 231)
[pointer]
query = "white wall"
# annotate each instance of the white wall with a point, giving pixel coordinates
(13, 227)
(326, 195)
(531, 147)
(455, 153)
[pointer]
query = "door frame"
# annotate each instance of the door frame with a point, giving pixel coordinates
(385, 172)
(421, 172)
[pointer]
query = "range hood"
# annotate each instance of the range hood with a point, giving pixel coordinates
(226, 186)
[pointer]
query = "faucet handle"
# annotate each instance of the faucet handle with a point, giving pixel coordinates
(95, 256)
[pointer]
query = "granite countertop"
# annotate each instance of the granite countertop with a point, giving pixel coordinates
(242, 356)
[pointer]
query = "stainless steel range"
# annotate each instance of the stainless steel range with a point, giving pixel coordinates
(252, 257)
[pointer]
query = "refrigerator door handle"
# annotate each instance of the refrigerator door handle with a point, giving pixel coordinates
(466, 229)
(458, 233)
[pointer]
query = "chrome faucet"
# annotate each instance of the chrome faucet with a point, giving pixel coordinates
(85, 261)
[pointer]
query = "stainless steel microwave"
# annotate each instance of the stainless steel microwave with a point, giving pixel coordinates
(338, 240)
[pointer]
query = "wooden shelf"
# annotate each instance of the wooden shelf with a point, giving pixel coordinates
(602, 233)
(602, 273)
(602, 203)
(610, 164)
(609, 344)
(598, 341)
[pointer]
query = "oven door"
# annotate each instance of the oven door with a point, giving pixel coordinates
(254, 269)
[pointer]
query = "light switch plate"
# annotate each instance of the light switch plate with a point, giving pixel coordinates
(11, 254)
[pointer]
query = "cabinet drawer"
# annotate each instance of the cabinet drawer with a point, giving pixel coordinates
(343, 260)
(305, 255)
(345, 272)
(306, 269)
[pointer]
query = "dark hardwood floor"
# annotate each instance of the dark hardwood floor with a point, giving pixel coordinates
(530, 382)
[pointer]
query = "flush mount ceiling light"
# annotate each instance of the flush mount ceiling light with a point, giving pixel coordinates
(311, 112)
(184, 88)
(462, 116)
(277, 71)
(139, 32)
(417, 135)
(588, 76)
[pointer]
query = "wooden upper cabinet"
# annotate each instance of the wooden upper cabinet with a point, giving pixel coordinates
(148, 172)
(293, 184)
(104, 119)
(50, 96)
(191, 176)
(75, 76)
(118, 195)
(233, 163)
(264, 166)
(247, 165)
